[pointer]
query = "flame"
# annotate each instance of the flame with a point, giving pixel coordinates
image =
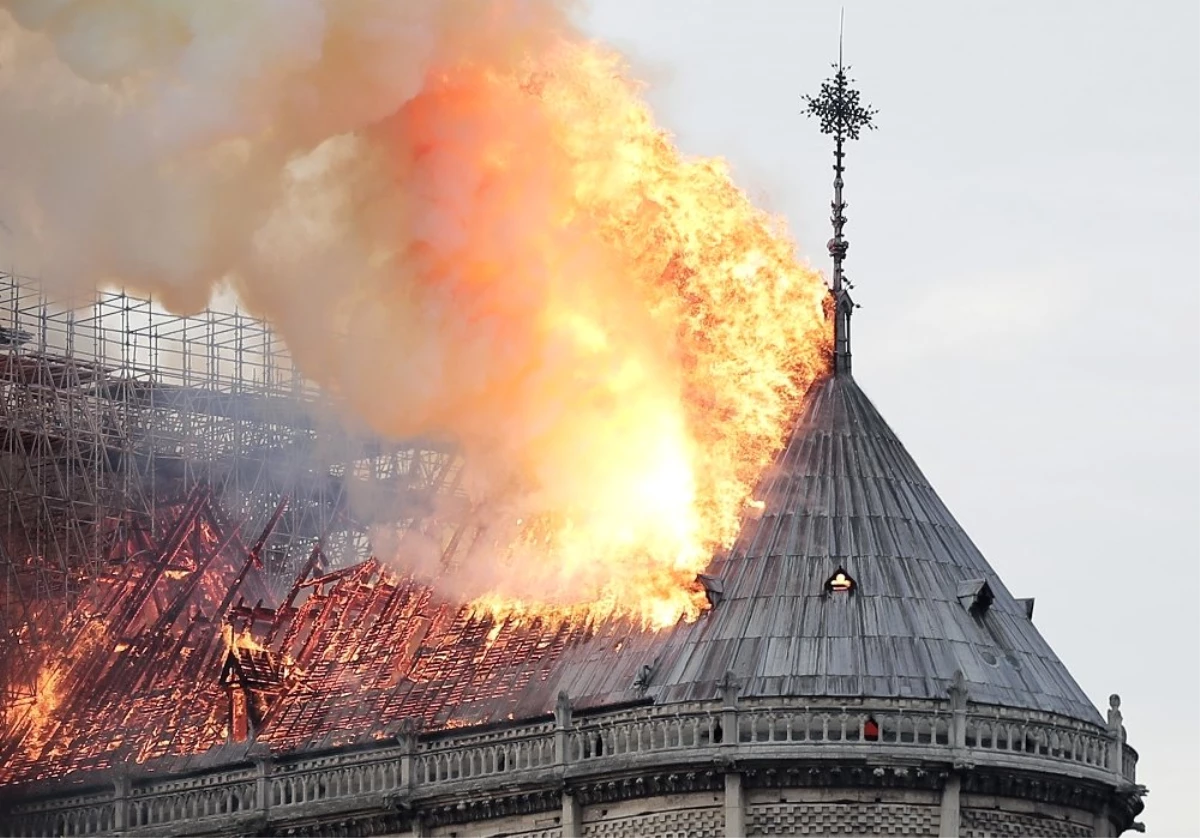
(691, 328)
(242, 639)
(39, 716)
(464, 222)
(40, 713)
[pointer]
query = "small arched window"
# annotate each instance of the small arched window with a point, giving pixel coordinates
(840, 583)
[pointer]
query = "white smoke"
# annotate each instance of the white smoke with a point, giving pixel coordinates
(461, 220)
(148, 142)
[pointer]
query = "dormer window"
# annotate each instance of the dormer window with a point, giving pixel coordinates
(840, 583)
(975, 595)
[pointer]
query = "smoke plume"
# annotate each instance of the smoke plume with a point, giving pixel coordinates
(465, 224)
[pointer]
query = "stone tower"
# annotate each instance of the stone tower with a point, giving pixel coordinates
(862, 671)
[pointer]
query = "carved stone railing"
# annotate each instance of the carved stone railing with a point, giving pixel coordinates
(653, 730)
(80, 814)
(485, 755)
(410, 769)
(1129, 764)
(306, 782)
(195, 798)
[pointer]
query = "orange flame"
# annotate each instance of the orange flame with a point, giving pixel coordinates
(652, 328)
(242, 639)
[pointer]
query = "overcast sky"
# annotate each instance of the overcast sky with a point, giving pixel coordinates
(1025, 246)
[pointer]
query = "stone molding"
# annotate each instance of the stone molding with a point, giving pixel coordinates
(472, 774)
(823, 817)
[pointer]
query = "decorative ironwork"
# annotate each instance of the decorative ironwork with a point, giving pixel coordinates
(839, 108)
(843, 116)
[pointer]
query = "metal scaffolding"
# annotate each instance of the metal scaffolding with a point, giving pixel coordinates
(112, 414)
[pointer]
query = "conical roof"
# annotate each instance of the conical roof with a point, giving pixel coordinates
(845, 495)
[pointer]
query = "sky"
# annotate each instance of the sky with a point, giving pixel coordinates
(1025, 229)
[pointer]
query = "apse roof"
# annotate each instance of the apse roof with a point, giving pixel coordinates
(844, 495)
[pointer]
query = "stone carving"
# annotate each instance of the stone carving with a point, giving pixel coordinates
(958, 691)
(562, 709)
(693, 823)
(841, 819)
(1115, 719)
(989, 823)
(728, 688)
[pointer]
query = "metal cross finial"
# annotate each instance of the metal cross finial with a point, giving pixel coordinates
(844, 116)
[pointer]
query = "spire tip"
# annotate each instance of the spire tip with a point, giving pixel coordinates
(842, 115)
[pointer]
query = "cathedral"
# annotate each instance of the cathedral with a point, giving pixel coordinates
(861, 670)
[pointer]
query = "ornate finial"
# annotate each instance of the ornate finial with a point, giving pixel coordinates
(562, 709)
(728, 688)
(842, 115)
(958, 691)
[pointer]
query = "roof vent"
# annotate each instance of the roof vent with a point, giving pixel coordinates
(1027, 604)
(975, 595)
(714, 587)
(840, 583)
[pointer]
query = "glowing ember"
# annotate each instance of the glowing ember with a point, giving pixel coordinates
(465, 223)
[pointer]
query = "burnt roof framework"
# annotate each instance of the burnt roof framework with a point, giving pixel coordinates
(112, 412)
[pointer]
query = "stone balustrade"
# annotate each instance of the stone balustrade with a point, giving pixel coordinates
(414, 768)
(81, 814)
(345, 776)
(449, 761)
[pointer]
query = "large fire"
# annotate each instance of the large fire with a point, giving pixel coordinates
(500, 248)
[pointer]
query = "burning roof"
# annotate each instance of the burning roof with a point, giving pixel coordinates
(180, 650)
(176, 652)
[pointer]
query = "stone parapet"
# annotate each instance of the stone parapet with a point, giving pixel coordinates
(475, 775)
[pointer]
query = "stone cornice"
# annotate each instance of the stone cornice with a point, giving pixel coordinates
(925, 777)
(648, 784)
(476, 807)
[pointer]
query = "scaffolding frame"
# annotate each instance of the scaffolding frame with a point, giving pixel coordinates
(113, 412)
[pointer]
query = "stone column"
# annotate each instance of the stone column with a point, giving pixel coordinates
(728, 689)
(562, 724)
(572, 815)
(121, 788)
(735, 803)
(407, 740)
(735, 806)
(262, 785)
(950, 814)
(958, 712)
